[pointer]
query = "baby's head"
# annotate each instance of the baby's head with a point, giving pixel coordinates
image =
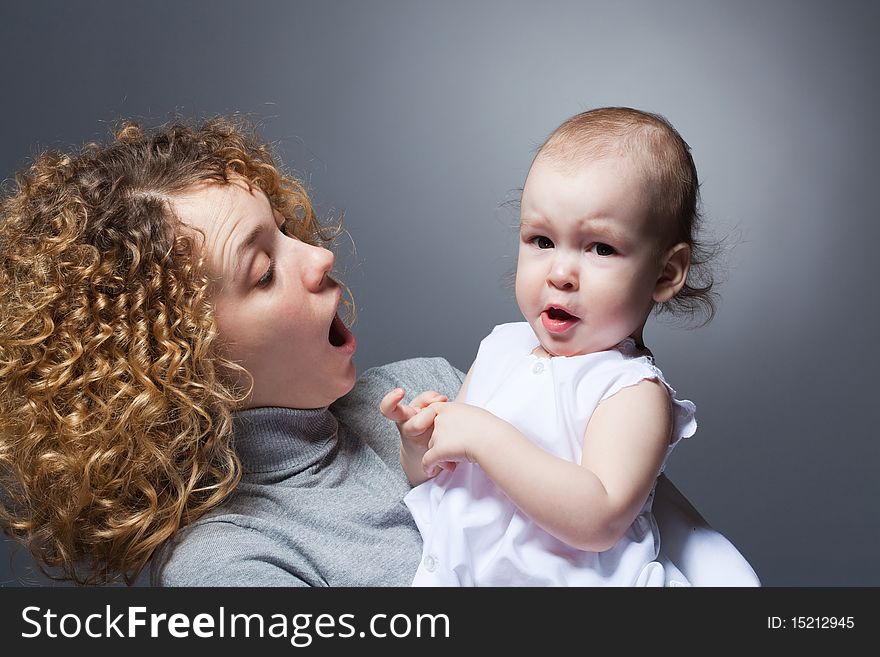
(115, 401)
(607, 231)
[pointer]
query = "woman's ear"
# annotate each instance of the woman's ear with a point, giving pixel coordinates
(676, 264)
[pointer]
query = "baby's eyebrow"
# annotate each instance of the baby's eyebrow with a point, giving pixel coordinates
(594, 225)
(532, 223)
(603, 227)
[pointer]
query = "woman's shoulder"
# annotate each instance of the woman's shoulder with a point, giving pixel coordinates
(181, 560)
(219, 550)
(413, 375)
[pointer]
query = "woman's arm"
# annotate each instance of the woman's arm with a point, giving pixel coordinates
(588, 505)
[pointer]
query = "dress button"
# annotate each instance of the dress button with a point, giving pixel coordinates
(538, 368)
(430, 563)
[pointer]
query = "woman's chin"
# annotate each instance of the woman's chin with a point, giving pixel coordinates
(338, 383)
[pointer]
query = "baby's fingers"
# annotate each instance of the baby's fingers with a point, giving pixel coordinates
(419, 423)
(426, 398)
(447, 465)
(391, 407)
(433, 463)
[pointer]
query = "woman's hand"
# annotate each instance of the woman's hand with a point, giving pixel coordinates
(460, 432)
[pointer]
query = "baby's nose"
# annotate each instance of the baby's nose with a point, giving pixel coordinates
(564, 274)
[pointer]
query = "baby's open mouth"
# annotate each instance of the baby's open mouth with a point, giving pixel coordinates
(558, 321)
(559, 314)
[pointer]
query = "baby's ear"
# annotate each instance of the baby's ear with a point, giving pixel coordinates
(676, 263)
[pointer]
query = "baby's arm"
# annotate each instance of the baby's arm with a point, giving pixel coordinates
(588, 505)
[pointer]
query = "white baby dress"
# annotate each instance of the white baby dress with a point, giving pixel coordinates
(474, 535)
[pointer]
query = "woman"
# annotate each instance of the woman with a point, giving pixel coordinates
(176, 383)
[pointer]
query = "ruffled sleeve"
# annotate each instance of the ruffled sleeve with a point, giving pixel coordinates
(634, 369)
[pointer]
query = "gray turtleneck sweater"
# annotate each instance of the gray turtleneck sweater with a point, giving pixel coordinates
(320, 502)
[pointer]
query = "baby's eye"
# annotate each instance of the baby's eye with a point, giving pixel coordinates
(542, 242)
(604, 249)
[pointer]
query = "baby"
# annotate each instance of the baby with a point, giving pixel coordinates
(542, 471)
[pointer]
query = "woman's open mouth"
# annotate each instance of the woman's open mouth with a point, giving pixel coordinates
(557, 320)
(339, 335)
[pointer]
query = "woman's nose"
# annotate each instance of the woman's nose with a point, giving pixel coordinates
(564, 273)
(317, 265)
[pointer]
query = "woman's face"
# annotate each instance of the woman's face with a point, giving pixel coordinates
(274, 300)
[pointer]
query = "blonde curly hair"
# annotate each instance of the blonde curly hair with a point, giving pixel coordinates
(115, 414)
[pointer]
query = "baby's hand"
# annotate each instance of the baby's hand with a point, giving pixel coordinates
(415, 422)
(414, 425)
(457, 431)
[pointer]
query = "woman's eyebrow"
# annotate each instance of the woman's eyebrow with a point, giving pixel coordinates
(243, 247)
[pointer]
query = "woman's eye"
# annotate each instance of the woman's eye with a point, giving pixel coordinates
(542, 242)
(604, 249)
(266, 278)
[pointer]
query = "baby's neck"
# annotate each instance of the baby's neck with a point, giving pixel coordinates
(540, 352)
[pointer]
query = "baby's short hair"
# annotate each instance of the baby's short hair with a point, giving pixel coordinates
(664, 158)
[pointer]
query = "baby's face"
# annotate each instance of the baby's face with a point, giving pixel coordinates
(588, 262)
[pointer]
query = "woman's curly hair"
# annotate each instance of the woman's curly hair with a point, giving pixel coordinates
(115, 414)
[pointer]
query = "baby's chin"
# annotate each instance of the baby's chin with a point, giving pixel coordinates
(568, 348)
(555, 351)
(575, 343)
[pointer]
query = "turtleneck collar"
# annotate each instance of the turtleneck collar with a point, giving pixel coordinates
(270, 439)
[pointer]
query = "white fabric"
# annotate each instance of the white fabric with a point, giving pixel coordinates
(693, 553)
(474, 535)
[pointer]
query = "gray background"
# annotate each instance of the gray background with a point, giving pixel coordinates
(418, 121)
